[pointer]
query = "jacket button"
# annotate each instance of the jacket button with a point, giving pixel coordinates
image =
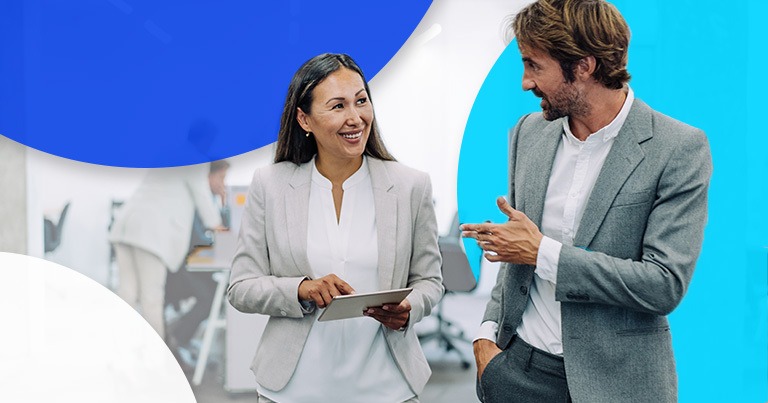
(523, 290)
(570, 295)
(507, 328)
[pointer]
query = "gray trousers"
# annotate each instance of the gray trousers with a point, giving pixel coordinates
(523, 373)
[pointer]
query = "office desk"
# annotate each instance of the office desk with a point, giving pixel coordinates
(220, 273)
(218, 260)
(243, 331)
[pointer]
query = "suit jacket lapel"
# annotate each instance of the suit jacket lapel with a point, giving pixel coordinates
(385, 204)
(297, 214)
(541, 156)
(621, 161)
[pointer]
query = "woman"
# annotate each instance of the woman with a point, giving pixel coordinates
(334, 215)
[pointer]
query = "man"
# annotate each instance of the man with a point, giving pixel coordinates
(607, 206)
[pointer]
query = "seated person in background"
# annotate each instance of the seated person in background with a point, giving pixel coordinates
(183, 284)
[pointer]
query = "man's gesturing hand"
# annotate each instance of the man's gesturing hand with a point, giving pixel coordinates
(515, 241)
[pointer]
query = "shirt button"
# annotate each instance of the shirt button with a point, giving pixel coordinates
(523, 289)
(283, 313)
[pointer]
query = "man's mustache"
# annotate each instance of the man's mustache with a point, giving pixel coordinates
(537, 93)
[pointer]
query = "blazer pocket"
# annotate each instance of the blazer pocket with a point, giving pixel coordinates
(642, 331)
(632, 198)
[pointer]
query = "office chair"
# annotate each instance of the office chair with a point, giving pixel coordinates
(457, 277)
(52, 232)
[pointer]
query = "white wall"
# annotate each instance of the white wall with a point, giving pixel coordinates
(424, 95)
(90, 190)
(422, 100)
(13, 198)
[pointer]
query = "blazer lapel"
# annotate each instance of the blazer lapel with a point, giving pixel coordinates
(297, 214)
(536, 176)
(385, 204)
(621, 161)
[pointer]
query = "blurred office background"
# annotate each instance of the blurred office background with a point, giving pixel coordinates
(422, 99)
(60, 209)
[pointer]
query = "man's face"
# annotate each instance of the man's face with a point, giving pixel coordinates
(216, 182)
(542, 75)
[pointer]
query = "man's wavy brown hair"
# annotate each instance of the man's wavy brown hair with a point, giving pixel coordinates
(570, 30)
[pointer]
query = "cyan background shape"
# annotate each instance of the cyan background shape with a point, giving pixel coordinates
(701, 62)
(121, 82)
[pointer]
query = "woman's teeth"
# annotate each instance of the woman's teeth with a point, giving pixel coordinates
(353, 136)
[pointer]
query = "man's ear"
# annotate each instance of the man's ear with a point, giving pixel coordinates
(585, 67)
(303, 119)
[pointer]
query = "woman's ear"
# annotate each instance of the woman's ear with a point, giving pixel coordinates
(303, 120)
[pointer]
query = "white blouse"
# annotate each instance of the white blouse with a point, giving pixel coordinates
(345, 360)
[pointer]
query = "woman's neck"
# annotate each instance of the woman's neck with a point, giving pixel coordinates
(337, 170)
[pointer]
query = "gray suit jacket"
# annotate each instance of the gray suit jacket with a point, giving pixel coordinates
(271, 261)
(633, 258)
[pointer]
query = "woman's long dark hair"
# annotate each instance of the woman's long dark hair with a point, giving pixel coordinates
(292, 143)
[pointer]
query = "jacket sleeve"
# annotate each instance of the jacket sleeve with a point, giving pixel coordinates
(425, 271)
(657, 282)
(253, 286)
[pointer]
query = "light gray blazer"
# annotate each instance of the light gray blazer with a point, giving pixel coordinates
(633, 258)
(158, 216)
(271, 261)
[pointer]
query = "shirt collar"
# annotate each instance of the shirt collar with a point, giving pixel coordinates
(609, 131)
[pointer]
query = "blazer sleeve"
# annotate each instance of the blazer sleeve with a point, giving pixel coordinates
(493, 309)
(253, 286)
(424, 274)
(670, 246)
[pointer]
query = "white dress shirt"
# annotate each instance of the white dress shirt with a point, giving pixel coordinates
(345, 360)
(574, 173)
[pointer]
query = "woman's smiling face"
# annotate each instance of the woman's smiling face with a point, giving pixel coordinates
(341, 116)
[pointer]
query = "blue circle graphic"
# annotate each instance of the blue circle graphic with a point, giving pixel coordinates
(139, 83)
(702, 64)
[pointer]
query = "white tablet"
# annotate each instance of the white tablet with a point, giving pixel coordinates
(352, 306)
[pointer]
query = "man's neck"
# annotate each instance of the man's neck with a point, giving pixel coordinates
(604, 105)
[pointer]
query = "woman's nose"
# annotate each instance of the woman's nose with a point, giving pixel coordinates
(353, 117)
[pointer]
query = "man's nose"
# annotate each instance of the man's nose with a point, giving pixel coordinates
(528, 83)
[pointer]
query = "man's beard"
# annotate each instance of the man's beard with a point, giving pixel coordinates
(565, 101)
